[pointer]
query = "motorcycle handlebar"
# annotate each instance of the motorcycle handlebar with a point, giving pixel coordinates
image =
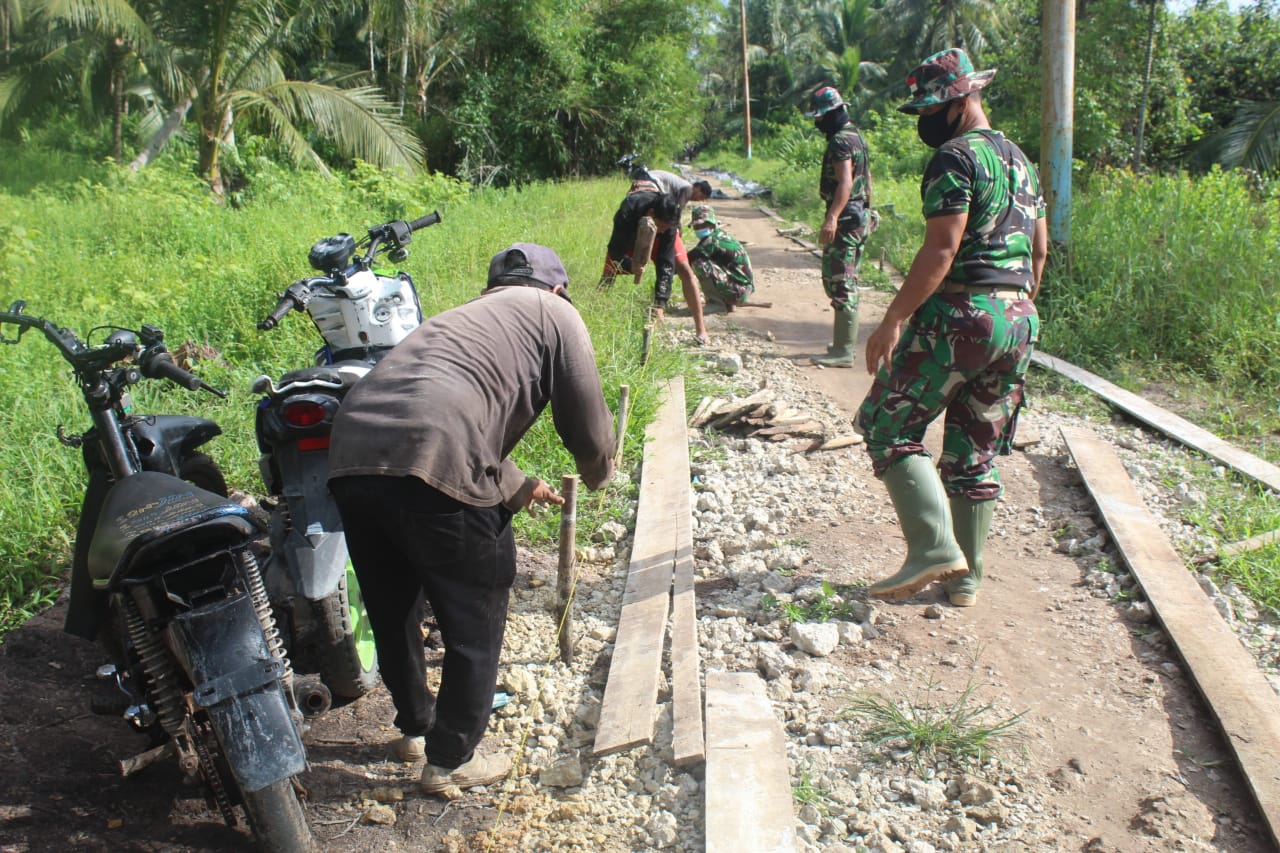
(425, 221)
(289, 301)
(157, 363)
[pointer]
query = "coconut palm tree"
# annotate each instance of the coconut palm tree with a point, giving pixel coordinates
(922, 27)
(90, 47)
(219, 61)
(226, 55)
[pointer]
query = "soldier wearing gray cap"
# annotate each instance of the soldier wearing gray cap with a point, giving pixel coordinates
(420, 470)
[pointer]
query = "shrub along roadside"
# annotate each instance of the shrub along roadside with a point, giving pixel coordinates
(154, 248)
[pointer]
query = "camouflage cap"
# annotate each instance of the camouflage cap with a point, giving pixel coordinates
(702, 214)
(944, 76)
(823, 101)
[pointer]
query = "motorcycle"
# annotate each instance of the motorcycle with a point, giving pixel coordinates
(361, 314)
(164, 576)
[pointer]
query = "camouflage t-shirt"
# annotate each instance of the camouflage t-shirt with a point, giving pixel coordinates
(847, 144)
(722, 250)
(988, 177)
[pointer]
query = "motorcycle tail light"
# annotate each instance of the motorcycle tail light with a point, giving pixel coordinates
(303, 413)
(319, 443)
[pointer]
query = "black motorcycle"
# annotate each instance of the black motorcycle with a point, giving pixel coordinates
(164, 576)
(361, 313)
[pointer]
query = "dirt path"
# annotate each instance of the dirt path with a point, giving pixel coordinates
(1110, 725)
(1119, 752)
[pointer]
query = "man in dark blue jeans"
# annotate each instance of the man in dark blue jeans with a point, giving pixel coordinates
(420, 470)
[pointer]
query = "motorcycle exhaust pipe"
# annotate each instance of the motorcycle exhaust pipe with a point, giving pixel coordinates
(311, 695)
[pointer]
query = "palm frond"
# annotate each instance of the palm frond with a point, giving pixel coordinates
(117, 17)
(360, 121)
(1251, 141)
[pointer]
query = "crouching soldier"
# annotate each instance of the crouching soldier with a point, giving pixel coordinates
(719, 261)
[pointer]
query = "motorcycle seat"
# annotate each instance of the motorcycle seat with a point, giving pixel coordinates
(153, 519)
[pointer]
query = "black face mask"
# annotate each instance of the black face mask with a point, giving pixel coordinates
(830, 122)
(934, 129)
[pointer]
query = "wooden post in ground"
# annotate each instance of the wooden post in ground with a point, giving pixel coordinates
(564, 571)
(624, 401)
(644, 347)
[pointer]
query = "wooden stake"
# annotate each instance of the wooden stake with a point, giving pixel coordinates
(564, 571)
(644, 352)
(624, 401)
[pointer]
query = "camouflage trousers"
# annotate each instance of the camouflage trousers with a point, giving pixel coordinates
(840, 260)
(717, 284)
(965, 356)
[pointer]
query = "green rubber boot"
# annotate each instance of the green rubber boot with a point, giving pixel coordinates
(844, 335)
(925, 518)
(971, 520)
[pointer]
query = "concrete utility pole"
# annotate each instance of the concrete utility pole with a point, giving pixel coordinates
(746, 76)
(1058, 35)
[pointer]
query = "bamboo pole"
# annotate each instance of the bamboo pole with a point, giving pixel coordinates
(624, 402)
(564, 571)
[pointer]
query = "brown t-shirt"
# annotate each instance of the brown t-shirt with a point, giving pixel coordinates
(451, 400)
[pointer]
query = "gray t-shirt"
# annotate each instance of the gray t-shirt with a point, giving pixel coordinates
(451, 401)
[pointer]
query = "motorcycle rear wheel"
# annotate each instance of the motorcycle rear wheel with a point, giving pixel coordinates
(345, 655)
(277, 819)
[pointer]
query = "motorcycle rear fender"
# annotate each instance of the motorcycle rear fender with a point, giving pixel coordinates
(238, 682)
(312, 544)
(151, 519)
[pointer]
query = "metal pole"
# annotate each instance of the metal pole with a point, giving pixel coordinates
(746, 76)
(564, 571)
(1058, 33)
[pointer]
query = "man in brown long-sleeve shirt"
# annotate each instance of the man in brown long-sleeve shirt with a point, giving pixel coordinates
(419, 468)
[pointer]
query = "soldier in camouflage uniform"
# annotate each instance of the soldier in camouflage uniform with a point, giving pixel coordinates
(971, 324)
(720, 262)
(845, 186)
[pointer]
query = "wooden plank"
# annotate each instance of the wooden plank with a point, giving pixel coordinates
(630, 703)
(1246, 707)
(748, 784)
(686, 691)
(1168, 423)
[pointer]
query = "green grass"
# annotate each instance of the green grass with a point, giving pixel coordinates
(118, 248)
(961, 730)
(831, 603)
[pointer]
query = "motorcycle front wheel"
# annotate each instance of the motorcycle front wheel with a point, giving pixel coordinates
(277, 819)
(347, 659)
(199, 470)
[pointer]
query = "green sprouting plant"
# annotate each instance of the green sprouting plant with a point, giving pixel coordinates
(831, 603)
(806, 793)
(961, 730)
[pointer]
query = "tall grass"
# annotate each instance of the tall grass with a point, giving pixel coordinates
(1169, 268)
(129, 249)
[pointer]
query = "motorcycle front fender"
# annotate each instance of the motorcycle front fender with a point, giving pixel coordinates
(238, 682)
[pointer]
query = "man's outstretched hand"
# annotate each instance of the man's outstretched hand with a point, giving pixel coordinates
(541, 494)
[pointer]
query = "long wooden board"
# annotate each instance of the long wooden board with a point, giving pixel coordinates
(747, 781)
(686, 691)
(630, 704)
(1168, 423)
(1246, 707)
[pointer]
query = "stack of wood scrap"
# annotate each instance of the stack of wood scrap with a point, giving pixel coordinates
(761, 415)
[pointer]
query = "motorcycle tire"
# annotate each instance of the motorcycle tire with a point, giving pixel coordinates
(277, 819)
(199, 470)
(345, 655)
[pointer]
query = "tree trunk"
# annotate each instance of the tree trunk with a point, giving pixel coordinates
(404, 74)
(1146, 85)
(172, 122)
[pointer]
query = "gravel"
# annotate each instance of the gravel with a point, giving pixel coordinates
(746, 493)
